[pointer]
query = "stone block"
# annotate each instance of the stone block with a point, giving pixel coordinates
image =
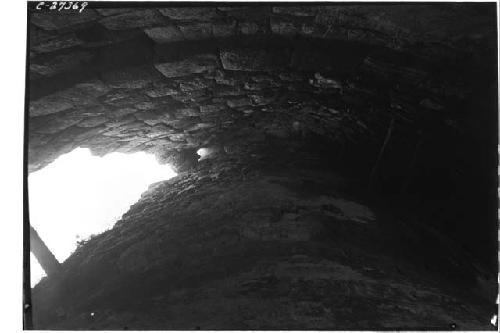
(252, 27)
(300, 11)
(60, 63)
(131, 78)
(252, 60)
(81, 94)
(113, 11)
(238, 102)
(92, 121)
(47, 105)
(195, 65)
(52, 124)
(196, 31)
(166, 34)
(161, 89)
(42, 42)
(253, 13)
(210, 108)
(284, 27)
(190, 13)
(193, 84)
(133, 19)
(55, 20)
(226, 28)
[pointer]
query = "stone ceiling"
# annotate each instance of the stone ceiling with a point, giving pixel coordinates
(311, 99)
(173, 80)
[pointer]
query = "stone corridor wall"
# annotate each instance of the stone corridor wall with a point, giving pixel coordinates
(281, 225)
(224, 247)
(170, 79)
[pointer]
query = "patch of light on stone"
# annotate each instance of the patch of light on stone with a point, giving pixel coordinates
(79, 195)
(37, 272)
(202, 152)
(206, 152)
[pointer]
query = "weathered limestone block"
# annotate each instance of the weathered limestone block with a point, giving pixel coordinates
(302, 11)
(92, 121)
(211, 108)
(48, 105)
(161, 89)
(196, 31)
(133, 19)
(247, 13)
(224, 28)
(195, 65)
(252, 60)
(124, 98)
(261, 85)
(131, 78)
(262, 99)
(165, 34)
(325, 82)
(42, 41)
(113, 11)
(54, 123)
(226, 90)
(397, 72)
(81, 94)
(192, 84)
(200, 126)
(188, 112)
(238, 102)
(153, 118)
(61, 63)
(284, 27)
(54, 20)
(190, 13)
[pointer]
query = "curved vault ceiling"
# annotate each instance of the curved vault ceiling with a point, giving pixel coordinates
(173, 80)
(258, 85)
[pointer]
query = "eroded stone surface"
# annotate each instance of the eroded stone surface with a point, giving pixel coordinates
(190, 13)
(196, 65)
(165, 34)
(80, 94)
(133, 19)
(251, 60)
(260, 245)
(294, 101)
(54, 20)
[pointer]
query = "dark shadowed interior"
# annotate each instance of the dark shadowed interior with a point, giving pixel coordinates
(349, 176)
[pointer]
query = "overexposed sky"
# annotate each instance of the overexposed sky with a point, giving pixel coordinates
(79, 194)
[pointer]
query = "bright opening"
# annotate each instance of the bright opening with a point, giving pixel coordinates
(79, 195)
(202, 152)
(206, 152)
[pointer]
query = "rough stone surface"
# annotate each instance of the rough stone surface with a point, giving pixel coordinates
(285, 225)
(197, 65)
(245, 248)
(60, 64)
(251, 60)
(133, 19)
(55, 20)
(190, 13)
(165, 34)
(196, 31)
(80, 94)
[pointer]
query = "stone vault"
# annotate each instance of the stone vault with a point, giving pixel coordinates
(348, 180)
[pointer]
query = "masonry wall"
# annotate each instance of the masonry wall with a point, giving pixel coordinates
(349, 181)
(235, 245)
